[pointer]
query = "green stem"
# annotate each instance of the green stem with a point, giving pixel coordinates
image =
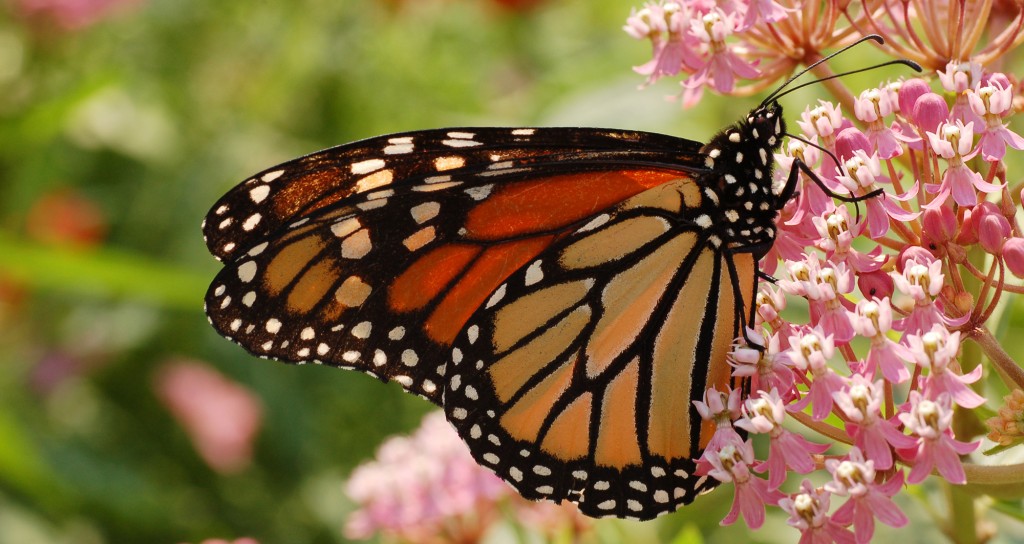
(962, 523)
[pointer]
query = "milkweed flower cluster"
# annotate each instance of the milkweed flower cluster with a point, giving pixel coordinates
(895, 285)
(426, 488)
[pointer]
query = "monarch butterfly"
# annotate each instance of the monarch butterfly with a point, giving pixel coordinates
(563, 293)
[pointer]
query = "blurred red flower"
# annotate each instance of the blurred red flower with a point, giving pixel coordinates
(65, 216)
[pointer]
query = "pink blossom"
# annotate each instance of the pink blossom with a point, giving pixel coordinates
(922, 284)
(724, 65)
(722, 409)
(959, 78)
(861, 402)
(992, 102)
(732, 464)
(837, 232)
(872, 106)
(862, 174)
(764, 415)
(936, 447)
(421, 486)
(808, 512)
(873, 319)
(220, 416)
(811, 352)
(823, 121)
(73, 14)
(954, 142)
(934, 351)
(768, 11)
(855, 477)
(665, 24)
(768, 368)
(770, 302)
(812, 200)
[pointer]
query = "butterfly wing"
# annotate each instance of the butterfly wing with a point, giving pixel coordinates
(261, 206)
(374, 255)
(575, 379)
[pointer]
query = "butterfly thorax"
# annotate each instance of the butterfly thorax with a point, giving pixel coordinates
(741, 160)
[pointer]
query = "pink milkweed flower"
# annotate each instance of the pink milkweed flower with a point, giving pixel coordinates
(959, 78)
(823, 121)
(862, 174)
(861, 401)
(720, 408)
(724, 65)
(764, 415)
(732, 464)
(854, 477)
(768, 11)
(812, 200)
(954, 142)
(934, 351)
(873, 319)
(770, 302)
(665, 24)
(808, 513)
(422, 485)
(811, 351)
(992, 102)
(221, 417)
(871, 107)
(768, 368)
(836, 239)
(922, 283)
(936, 448)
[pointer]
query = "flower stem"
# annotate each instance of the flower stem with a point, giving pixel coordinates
(962, 521)
(1009, 371)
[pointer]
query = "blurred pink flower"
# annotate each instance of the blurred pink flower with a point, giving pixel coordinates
(420, 484)
(220, 416)
(72, 14)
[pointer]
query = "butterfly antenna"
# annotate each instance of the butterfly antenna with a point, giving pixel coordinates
(778, 93)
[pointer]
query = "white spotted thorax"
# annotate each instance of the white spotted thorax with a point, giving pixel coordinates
(742, 160)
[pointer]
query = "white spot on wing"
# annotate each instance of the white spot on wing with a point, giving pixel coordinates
(247, 271)
(271, 176)
(252, 221)
(259, 194)
(367, 166)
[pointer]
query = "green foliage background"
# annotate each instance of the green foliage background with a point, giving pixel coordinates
(154, 112)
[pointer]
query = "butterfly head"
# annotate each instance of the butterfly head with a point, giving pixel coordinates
(741, 156)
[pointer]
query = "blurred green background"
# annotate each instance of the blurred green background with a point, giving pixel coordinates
(122, 121)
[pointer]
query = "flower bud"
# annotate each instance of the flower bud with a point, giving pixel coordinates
(849, 141)
(994, 229)
(1013, 254)
(876, 284)
(909, 92)
(918, 254)
(930, 111)
(939, 224)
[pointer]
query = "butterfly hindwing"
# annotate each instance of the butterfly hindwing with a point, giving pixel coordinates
(575, 379)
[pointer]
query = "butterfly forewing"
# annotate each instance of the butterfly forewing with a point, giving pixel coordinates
(575, 379)
(472, 157)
